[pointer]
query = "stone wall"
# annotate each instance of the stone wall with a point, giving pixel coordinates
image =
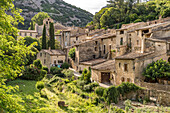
(155, 86)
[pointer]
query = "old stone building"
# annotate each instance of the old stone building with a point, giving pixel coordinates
(51, 57)
(121, 55)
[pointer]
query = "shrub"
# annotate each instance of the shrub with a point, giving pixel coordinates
(158, 69)
(40, 85)
(111, 95)
(99, 91)
(45, 68)
(87, 88)
(68, 73)
(60, 75)
(33, 73)
(55, 70)
(86, 75)
(65, 65)
(72, 53)
(127, 87)
(37, 63)
(80, 84)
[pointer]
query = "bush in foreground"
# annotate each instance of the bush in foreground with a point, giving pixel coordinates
(40, 85)
(55, 70)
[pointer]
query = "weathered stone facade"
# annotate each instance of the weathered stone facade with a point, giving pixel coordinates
(51, 57)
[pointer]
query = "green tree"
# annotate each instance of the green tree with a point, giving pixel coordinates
(44, 42)
(72, 53)
(32, 26)
(30, 40)
(51, 32)
(158, 69)
(12, 55)
(38, 18)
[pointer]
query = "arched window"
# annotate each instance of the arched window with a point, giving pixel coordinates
(123, 79)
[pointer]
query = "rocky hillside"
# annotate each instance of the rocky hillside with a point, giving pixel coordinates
(58, 10)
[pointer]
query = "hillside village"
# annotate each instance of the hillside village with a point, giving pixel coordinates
(114, 56)
(118, 63)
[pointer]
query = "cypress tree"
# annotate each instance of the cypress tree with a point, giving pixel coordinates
(52, 40)
(32, 27)
(44, 46)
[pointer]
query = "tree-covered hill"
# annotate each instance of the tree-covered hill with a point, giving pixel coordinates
(120, 12)
(58, 10)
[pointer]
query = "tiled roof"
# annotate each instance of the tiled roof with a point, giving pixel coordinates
(132, 56)
(54, 52)
(105, 66)
(93, 62)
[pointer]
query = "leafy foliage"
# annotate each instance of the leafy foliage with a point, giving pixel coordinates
(55, 70)
(72, 53)
(65, 65)
(99, 91)
(86, 75)
(37, 63)
(45, 68)
(38, 18)
(158, 69)
(128, 11)
(40, 85)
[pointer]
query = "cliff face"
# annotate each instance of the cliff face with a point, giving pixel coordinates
(58, 10)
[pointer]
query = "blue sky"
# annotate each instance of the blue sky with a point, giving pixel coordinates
(89, 5)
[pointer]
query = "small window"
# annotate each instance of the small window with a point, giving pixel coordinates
(96, 42)
(104, 49)
(76, 38)
(110, 47)
(95, 48)
(60, 61)
(121, 32)
(121, 41)
(55, 62)
(46, 22)
(137, 32)
(44, 61)
(25, 34)
(40, 54)
(111, 39)
(94, 56)
(129, 34)
(125, 67)
(137, 42)
(20, 33)
(119, 64)
(30, 34)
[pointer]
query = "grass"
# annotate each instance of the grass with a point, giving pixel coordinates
(33, 102)
(25, 86)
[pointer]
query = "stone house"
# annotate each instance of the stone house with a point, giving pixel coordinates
(104, 72)
(51, 57)
(24, 33)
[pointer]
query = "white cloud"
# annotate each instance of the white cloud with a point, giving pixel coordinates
(89, 5)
